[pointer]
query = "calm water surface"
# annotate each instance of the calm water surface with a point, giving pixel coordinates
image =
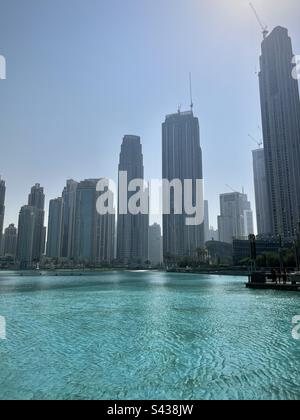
(146, 336)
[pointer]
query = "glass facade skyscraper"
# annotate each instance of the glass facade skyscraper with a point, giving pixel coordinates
(280, 106)
(132, 235)
(54, 228)
(182, 160)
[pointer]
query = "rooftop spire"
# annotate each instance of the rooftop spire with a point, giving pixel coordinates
(191, 92)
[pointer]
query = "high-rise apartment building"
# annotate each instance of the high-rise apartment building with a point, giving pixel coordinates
(10, 241)
(261, 193)
(36, 200)
(93, 233)
(132, 235)
(31, 229)
(54, 228)
(280, 106)
(182, 160)
(26, 231)
(68, 219)
(236, 218)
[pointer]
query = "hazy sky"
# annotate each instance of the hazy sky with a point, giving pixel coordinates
(82, 73)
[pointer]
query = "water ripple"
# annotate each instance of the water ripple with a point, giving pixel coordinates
(146, 336)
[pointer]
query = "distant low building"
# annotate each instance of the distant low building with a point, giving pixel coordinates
(219, 252)
(241, 248)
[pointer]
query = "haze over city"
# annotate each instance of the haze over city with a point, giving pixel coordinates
(121, 280)
(80, 75)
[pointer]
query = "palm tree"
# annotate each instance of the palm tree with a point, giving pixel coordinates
(202, 254)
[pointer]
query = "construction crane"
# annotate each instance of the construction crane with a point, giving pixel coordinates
(232, 189)
(263, 27)
(259, 143)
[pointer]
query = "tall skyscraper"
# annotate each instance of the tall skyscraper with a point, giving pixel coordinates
(132, 236)
(236, 219)
(10, 241)
(280, 106)
(36, 197)
(36, 200)
(182, 160)
(93, 233)
(85, 222)
(31, 229)
(68, 219)
(54, 228)
(2, 208)
(155, 244)
(26, 230)
(261, 193)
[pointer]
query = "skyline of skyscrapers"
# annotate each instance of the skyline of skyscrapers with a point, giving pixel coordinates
(181, 160)
(76, 232)
(280, 108)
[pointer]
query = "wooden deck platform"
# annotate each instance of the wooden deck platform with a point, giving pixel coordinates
(274, 286)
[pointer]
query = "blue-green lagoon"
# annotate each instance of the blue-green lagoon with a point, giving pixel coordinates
(146, 335)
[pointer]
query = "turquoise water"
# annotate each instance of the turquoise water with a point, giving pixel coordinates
(146, 336)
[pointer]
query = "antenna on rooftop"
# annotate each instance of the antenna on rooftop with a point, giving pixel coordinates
(191, 92)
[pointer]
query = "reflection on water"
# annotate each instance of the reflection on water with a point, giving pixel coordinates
(144, 335)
